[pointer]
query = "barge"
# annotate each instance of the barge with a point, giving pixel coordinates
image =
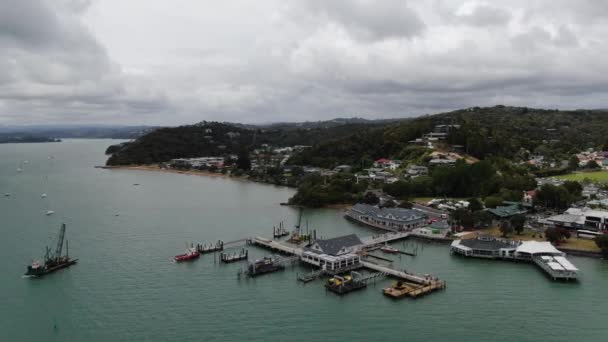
(343, 285)
(264, 266)
(53, 262)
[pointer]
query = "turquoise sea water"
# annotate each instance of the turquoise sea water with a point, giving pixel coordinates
(125, 287)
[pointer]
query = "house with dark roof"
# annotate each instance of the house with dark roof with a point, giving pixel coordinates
(337, 246)
(334, 255)
(505, 212)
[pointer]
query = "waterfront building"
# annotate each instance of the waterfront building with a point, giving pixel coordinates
(198, 162)
(581, 218)
(394, 219)
(543, 254)
(334, 255)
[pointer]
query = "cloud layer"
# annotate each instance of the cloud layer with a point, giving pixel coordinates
(160, 62)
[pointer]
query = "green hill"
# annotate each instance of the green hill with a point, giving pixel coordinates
(500, 131)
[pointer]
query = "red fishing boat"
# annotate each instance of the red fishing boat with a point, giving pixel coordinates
(191, 254)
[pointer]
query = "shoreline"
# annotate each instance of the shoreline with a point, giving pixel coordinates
(182, 172)
(337, 206)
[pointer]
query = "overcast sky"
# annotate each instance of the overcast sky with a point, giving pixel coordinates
(184, 61)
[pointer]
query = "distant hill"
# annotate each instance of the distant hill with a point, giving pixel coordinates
(218, 138)
(78, 131)
(502, 131)
(21, 137)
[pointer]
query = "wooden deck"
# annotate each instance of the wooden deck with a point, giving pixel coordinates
(400, 290)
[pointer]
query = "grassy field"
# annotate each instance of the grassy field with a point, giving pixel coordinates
(571, 243)
(597, 176)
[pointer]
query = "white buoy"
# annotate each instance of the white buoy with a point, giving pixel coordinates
(43, 195)
(19, 169)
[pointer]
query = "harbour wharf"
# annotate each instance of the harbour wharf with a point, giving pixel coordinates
(288, 248)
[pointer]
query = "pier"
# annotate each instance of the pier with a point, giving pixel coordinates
(210, 248)
(229, 258)
(415, 285)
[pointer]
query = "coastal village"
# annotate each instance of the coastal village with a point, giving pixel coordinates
(526, 226)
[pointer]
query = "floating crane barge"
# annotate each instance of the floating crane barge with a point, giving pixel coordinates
(52, 262)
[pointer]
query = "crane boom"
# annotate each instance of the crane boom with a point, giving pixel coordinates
(60, 241)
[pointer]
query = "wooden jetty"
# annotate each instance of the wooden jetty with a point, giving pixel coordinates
(210, 248)
(229, 258)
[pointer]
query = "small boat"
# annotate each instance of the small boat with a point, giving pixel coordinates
(49, 212)
(7, 194)
(43, 195)
(135, 184)
(191, 254)
(389, 249)
(19, 169)
(53, 262)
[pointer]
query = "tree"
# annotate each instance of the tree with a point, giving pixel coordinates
(573, 187)
(475, 204)
(462, 217)
(493, 201)
(592, 164)
(243, 162)
(556, 235)
(602, 242)
(573, 163)
(482, 219)
(518, 222)
(370, 198)
(406, 205)
(389, 204)
(505, 228)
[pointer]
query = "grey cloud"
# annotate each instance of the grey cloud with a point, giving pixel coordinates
(53, 68)
(85, 61)
(371, 20)
(484, 15)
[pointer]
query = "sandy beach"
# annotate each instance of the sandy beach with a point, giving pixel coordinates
(183, 172)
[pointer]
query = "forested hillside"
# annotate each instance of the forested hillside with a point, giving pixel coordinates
(509, 132)
(215, 138)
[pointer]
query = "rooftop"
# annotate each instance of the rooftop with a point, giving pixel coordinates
(398, 214)
(490, 244)
(334, 245)
(507, 211)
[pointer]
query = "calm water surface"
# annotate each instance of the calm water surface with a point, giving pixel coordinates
(125, 287)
